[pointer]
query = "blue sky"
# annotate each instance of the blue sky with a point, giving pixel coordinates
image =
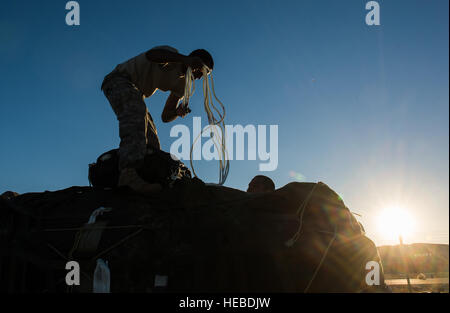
(363, 109)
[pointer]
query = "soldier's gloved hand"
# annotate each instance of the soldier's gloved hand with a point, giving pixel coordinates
(183, 111)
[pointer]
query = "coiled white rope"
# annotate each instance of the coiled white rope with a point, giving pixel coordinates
(215, 123)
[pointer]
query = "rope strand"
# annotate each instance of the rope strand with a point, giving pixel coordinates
(216, 123)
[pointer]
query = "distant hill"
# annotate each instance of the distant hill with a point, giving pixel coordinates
(421, 258)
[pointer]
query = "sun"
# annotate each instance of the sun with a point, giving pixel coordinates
(394, 222)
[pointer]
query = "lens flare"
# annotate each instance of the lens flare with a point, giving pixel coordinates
(394, 222)
(296, 176)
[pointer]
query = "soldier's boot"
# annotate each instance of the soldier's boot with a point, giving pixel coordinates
(129, 177)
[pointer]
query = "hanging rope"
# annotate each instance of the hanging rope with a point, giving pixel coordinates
(189, 87)
(321, 260)
(301, 210)
(216, 123)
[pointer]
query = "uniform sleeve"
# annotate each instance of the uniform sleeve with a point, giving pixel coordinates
(167, 66)
(169, 48)
(177, 93)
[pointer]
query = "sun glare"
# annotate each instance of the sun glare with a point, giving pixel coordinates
(394, 222)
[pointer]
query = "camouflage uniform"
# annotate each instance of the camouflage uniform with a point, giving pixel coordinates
(136, 126)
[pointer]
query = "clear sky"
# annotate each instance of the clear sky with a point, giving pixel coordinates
(364, 109)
